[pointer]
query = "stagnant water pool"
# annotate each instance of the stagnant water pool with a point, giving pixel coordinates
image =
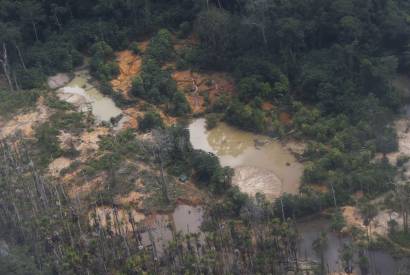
(261, 164)
(103, 108)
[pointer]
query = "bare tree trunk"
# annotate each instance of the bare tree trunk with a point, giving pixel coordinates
(147, 12)
(16, 82)
(5, 64)
(35, 30)
(333, 194)
(164, 184)
(23, 64)
(58, 21)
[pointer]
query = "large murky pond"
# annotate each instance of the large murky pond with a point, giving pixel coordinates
(261, 164)
(81, 93)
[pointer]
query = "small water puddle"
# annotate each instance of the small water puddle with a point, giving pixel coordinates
(261, 164)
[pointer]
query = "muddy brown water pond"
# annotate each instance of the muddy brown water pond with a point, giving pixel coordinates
(261, 164)
(81, 92)
(185, 219)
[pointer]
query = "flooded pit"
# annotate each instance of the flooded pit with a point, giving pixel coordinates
(185, 219)
(158, 229)
(80, 92)
(261, 164)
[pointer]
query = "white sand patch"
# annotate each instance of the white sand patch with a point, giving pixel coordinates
(58, 80)
(252, 180)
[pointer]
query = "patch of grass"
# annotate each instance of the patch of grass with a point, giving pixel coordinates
(47, 144)
(73, 166)
(155, 201)
(106, 162)
(135, 48)
(114, 150)
(402, 159)
(69, 121)
(55, 103)
(212, 120)
(118, 182)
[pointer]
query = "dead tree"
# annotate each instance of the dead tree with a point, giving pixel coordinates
(6, 66)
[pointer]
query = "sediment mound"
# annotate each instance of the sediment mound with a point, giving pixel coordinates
(58, 80)
(252, 180)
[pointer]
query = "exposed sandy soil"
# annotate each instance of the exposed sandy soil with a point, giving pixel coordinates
(86, 142)
(130, 66)
(196, 85)
(319, 188)
(89, 141)
(135, 113)
(87, 145)
(132, 198)
(379, 223)
(25, 123)
(57, 165)
(105, 214)
(84, 188)
(197, 103)
(192, 195)
(167, 119)
(69, 177)
(267, 106)
(66, 140)
(295, 147)
(143, 45)
(285, 118)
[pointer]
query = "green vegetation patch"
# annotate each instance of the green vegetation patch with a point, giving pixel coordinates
(47, 145)
(13, 101)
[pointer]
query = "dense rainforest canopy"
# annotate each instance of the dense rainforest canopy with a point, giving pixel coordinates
(329, 64)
